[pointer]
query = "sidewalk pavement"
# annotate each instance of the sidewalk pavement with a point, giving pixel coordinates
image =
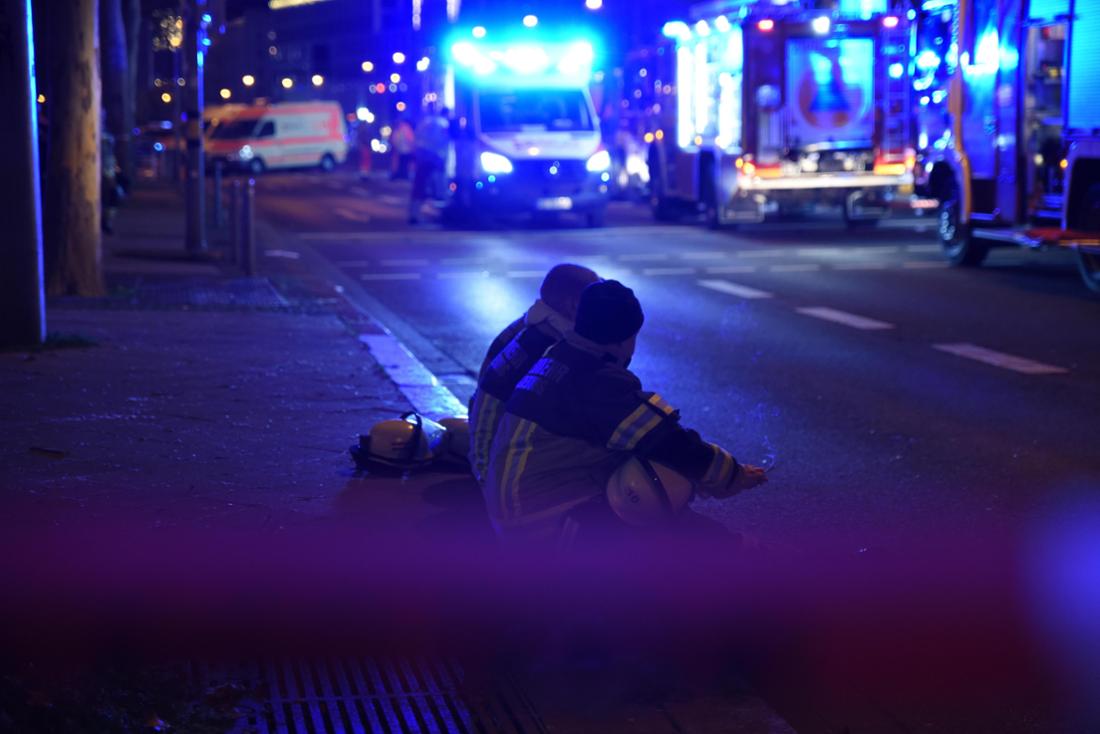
(193, 397)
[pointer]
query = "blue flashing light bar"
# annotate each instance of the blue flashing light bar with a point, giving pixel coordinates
(527, 59)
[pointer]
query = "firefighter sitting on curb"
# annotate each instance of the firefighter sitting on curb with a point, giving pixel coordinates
(515, 351)
(577, 417)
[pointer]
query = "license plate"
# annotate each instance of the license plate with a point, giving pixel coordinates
(554, 204)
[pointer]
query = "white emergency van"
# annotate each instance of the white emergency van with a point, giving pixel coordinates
(284, 135)
(528, 137)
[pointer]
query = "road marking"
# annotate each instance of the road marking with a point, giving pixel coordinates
(287, 254)
(924, 248)
(734, 289)
(525, 273)
(462, 261)
(703, 255)
(455, 274)
(1000, 359)
(354, 263)
(351, 214)
(860, 266)
(843, 317)
(413, 379)
(924, 265)
(668, 271)
(408, 262)
(643, 257)
(772, 252)
(717, 269)
(390, 276)
(795, 268)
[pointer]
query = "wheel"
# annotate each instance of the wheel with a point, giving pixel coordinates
(1088, 261)
(595, 219)
(327, 162)
(961, 248)
(256, 166)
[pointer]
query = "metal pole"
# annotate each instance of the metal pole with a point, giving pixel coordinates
(177, 118)
(235, 220)
(248, 229)
(194, 28)
(22, 299)
(219, 214)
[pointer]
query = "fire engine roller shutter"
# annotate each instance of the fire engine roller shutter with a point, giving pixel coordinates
(1084, 66)
(1048, 9)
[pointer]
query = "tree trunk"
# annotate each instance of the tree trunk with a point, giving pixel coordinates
(118, 98)
(71, 231)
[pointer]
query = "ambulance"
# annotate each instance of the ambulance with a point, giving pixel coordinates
(527, 133)
(283, 135)
(778, 107)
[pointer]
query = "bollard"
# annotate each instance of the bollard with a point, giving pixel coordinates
(219, 213)
(235, 220)
(248, 229)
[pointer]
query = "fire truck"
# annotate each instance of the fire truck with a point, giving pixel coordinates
(780, 106)
(1007, 100)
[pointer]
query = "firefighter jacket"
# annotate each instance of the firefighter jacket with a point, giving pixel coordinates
(569, 424)
(510, 356)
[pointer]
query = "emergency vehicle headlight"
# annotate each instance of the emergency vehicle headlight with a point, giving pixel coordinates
(601, 161)
(245, 153)
(494, 163)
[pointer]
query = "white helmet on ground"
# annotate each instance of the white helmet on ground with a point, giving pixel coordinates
(456, 445)
(647, 494)
(403, 443)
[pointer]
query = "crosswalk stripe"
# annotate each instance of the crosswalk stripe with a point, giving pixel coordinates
(795, 268)
(860, 266)
(734, 289)
(1000, 359)
(924, 265)
(668, 271)
(843, 317)
(456, 274)
(390, 276)
(409, 262)
(643, 256)
(732, 269)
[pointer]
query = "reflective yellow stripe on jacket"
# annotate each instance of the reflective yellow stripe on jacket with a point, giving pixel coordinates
(635, 426)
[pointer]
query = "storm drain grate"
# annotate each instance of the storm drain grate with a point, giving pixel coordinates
(356, 695)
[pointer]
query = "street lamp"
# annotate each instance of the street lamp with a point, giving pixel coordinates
(166, 98)
(248, 80)
(479, 31)
(367, 67)
(423, 64)
(395, 77)
(530, 20)
(287, 82)
(317, 80)
(225, 93)
(398, 57)
(593, 4)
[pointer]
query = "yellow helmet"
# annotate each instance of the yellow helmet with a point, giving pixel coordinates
(647, 494)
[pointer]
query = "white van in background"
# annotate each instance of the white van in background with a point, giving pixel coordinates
(284, 135)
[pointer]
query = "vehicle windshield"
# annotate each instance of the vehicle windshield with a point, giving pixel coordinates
(233, 129)
(534, 110)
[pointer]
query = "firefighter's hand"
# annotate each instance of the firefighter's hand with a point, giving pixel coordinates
(748, 477)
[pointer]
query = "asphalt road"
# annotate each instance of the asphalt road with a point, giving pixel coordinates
(887, 390)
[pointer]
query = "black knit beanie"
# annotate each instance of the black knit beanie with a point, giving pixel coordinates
(608, 313)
